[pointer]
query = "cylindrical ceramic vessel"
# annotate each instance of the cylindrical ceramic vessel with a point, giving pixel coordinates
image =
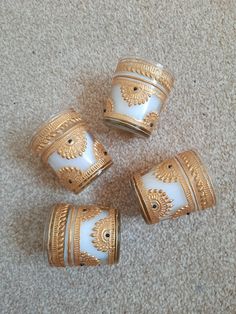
(140, 89)
(66, 145)
(85, 235)
(173, 188)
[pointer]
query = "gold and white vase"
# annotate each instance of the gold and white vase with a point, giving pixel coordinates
(139, 92)
(175, 187)
(68, 147)
(85, 235)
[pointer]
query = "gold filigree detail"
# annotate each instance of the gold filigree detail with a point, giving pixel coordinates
(70, 144)
(109, 106)
(134, 95)
(166, 171)
(151, 119)
(73, 144)
(160, 204)
(135, 92)
(88, 212)
(99, 150)
(201, 183)
(70, 177)
(52, 129)
(155, 72)
(181, 211)
(58, 234)
(75, 180)
(104, 233)
(88, 260)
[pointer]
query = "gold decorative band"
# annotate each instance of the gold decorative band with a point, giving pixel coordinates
(153, 71)
(199, 179)
(56, 235)
(63, 241)
(139, 127)
(138, 92)
(52, 129)
(185, 168)
(70, 144)
(76, 180)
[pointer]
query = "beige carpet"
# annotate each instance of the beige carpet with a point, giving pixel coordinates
(48, 49)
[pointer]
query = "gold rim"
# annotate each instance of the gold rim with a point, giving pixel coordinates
(94, 176)
(117, 231)
(127, 126)
(153, 71)
(52, 129)
(143, 207)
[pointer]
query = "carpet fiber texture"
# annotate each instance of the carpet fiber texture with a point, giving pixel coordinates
(54, 54)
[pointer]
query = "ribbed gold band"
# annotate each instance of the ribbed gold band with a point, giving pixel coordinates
(156, 72)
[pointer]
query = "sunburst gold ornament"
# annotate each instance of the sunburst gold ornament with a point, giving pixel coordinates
(73, 144)
(134, 95)
(165, 171)
(150, 119)
(103, 235)
(160, 203)
(70, 177)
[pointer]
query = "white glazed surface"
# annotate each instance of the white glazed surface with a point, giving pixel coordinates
(83, 162)
(174, 190)
(137, 112)
(86, 245)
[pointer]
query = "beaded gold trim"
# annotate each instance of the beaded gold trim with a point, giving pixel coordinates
(54, 128)
(147, 69)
